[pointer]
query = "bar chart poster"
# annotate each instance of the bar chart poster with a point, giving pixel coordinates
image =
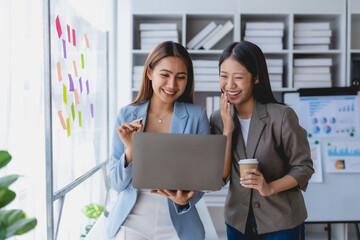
(315, 151)
(342, 155)
(330, 116)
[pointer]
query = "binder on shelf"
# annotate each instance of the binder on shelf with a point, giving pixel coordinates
(206, 38)
(157, 26)
(202, 34)
(228, 26)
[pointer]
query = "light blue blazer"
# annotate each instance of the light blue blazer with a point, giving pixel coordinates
(187, 119)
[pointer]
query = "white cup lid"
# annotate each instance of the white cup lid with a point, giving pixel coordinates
(248, 160)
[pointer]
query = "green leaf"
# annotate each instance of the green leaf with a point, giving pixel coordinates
(8, 180)
(92, 210)
(21, 226)
(6, 196)
(5, 158)
(2, 231)
(8, 217)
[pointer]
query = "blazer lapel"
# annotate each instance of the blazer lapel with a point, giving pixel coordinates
(179, 119)
(257, 124)
(238, 139)
(141, 111)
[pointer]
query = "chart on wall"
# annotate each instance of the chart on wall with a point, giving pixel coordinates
(79, 93)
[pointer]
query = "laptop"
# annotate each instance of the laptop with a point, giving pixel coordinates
(178, 161)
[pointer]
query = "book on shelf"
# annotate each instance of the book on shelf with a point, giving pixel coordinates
(209, 105)
(207, 86)
(270, 46)
(200, 35)
(207, 37)
(158, 33)
(157, 26)
(275, 69)
(311, 70)
(312, 47)
(274, 62)
(312, 62)
(312, 77)
(264, 33)
(146, 40)
(312, 26)
(206, 71)
(275, 77)
(228, 26)
(207, 78)
(313, 33)
(275, 84)
(265, 25)
(312, 84)
(260, 40)
(312, 40)
(206, 63)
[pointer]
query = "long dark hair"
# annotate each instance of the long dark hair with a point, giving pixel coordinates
(166, 49)
(252, 58)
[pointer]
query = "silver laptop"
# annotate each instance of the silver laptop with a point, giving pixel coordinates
(178, 161)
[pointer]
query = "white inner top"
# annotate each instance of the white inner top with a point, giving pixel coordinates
(245, 125)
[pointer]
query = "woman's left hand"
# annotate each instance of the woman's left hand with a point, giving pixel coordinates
(179, 197)
(256, 181)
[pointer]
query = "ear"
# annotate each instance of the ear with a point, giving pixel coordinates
(149, 73)
(256, 79)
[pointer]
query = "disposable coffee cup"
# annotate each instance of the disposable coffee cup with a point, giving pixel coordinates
(249, 163)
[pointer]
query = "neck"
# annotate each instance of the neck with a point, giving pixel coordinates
(159, 106)
(245, 110)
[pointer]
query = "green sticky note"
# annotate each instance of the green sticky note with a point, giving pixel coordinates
(73, 111)
(82, 61)
(68, 127)
(328, 144)
(64, 94)
(351, 134)
(309, 135)
(79, 118)
(316, 142)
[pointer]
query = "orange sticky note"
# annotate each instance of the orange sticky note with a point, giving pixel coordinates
(58, 67)
(86, 41)
(62, 119)
(76, 97)
(75, 70)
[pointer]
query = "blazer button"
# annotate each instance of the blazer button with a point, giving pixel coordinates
(256, 204)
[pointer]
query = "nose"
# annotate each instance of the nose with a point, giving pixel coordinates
(172, 82)
(230, 83)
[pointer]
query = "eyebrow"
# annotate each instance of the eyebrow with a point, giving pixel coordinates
(171, 71)
(234, 73)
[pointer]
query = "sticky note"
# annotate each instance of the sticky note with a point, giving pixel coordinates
(64, 48)
(73, 111)
(92, 110)
(68, 127)
(61, 119)
(87, 87)
(64, 94)
(80, 83)
(82, 61)
(58, 67)
(80, 119)
(86, 41)
(71, 83)
(74, 38)
(76, 97)
(58, 26)
(68, 33)
(75, 70)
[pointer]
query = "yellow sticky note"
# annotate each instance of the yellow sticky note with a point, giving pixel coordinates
(68, 127)
(73, 111)
(80, 119)
(64, 94)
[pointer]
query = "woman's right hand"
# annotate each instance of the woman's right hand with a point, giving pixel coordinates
(225, 111)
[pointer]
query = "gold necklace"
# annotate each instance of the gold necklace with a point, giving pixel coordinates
(160, 119)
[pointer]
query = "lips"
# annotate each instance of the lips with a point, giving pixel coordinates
(232, 94)
(169, 93)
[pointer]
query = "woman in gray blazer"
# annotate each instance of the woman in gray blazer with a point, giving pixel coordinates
(164, 104)
(268, 203)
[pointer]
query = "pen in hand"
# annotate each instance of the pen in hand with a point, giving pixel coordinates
(140, 121)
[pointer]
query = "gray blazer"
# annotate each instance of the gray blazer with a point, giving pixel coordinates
(280, 144)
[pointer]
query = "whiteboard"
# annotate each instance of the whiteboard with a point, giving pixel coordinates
(336, 197)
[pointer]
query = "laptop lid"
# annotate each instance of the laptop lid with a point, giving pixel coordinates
(178, 161)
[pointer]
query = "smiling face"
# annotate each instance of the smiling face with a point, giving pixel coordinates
(169, 79)
(237, 82)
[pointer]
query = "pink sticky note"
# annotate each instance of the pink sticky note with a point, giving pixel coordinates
(76, 97)
(86, 41)
(71, 83)
(74, 38)
(69, 35)
(62, 119)
(58, 26)
(58, 71)
(75, 70)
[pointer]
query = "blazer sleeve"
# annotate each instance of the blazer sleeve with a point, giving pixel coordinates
(119, 176)
(296, 147)
(203, 128)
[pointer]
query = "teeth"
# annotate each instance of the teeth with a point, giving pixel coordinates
(233, 93)
(171, 93)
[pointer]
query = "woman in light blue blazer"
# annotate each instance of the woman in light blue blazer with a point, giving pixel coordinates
(163, 104)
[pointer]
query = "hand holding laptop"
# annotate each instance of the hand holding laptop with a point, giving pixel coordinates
(180, 197)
